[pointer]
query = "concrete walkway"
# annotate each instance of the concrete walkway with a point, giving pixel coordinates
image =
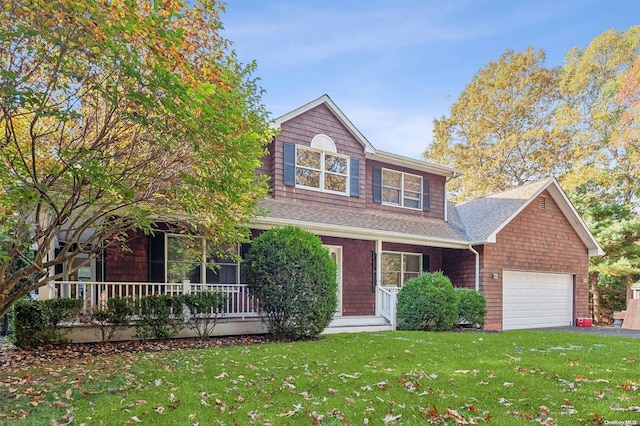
(603, 331)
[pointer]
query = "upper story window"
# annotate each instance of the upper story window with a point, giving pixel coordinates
(320, 167)
(322, 170)
(401, 189)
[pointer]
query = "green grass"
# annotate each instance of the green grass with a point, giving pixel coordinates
(406, 378)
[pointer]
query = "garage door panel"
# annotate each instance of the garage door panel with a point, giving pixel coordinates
(536, 300)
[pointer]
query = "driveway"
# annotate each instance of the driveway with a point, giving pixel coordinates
(603, 331)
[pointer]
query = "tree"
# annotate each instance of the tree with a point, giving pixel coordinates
(502, 129)
(616, 227)
(600, 87)
(116, 115)
(593, 109)
(294, 279)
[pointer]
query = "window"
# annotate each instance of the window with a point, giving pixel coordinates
(322, 170)
(401, 189)
(189, 258)
(398, 268)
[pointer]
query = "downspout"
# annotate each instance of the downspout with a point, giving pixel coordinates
(446, 207)
(472, 250)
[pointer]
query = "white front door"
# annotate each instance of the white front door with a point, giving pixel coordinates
(336, 256)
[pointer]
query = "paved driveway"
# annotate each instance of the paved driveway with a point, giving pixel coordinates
(604, 331)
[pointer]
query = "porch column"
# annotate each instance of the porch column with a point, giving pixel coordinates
(378, 276)
(48, 290)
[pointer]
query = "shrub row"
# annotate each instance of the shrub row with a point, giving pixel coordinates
(38, 323)
(432, 303)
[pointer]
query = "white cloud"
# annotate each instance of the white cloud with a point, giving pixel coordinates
(396, 131)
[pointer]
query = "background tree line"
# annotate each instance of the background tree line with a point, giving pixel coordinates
(518, 121)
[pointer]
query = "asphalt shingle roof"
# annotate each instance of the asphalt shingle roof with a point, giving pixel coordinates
(356, 218)
(474, 221)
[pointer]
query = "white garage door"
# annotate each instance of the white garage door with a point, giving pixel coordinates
(535, 299)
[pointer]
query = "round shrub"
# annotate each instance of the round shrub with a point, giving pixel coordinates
(294, 279)
(472, 308)
(428, 303)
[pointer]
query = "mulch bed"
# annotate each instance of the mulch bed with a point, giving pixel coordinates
(14, 359)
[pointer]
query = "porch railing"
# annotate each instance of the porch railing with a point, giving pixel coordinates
(239, 303)
(387, 301)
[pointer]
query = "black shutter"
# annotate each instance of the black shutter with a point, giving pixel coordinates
(156, 258)
(289, 153)
(425, 263)
(377, 185)
(426, 195)
(354, 178)
(374, 269)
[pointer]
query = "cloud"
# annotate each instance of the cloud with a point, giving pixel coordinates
(398, 131)
(296, 34)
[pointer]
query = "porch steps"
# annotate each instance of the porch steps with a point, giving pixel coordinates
(356, 324)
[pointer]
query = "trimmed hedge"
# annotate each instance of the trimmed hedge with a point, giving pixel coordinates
(38, 323)
(294, 278)
(472, 309)
(428, 302)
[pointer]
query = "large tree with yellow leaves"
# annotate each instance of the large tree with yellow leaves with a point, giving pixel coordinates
(115, 115)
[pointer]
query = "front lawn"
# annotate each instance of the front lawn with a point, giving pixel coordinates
(406, 378)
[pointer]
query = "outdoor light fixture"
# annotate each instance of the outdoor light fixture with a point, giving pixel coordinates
(495, 276)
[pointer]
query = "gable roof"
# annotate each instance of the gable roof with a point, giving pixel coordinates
(485, 217)
(369, 150)
(325, 99)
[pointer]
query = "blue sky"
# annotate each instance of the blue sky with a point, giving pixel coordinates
(394, 66)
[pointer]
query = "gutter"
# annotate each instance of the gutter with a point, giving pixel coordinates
(472, 250)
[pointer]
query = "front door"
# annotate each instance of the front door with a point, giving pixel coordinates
(336, 256)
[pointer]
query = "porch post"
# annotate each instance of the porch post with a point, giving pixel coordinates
(378, 276)
(186, 289)
(48, 290)
(393, 308)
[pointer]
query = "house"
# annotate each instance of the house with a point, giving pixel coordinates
(385, 219)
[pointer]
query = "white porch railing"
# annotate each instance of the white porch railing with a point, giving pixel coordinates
(387, 301)
(238, 302)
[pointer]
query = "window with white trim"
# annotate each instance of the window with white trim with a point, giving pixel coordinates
(189, 258)
(398, 268)
(326, 171)
(401, 189)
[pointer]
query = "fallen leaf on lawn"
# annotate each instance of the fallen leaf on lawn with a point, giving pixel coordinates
(349, 376)
(390, 418)
(221, 376)
(136, 419)
(507, 384)
(288, 413)
(159, 409)
(157, 382)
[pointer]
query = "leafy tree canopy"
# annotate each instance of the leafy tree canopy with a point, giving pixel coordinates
(502, 130)
(114, 115)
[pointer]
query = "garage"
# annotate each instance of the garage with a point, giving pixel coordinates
(536, 299)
